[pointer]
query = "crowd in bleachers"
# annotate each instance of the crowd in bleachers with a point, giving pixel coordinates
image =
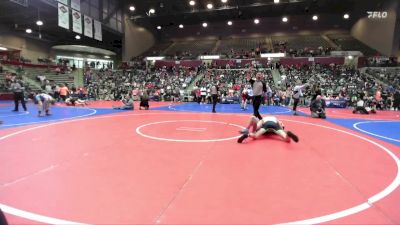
(390, 76)
(338, 83)
(160, 84)
(231, 83)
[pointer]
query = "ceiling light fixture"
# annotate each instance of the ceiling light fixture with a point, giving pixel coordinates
(205, 24)
(192, 3)
(158, 27)
(276, 1)
(181, 26)
(209, 6)
(28, 31)
(132, 8)
(284, 19)
(230, 23)
(346, 16)
(315, 17)
(39, 23)
(256, 21)
(77, 37)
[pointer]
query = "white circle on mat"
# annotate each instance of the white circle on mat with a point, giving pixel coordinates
(138, 130)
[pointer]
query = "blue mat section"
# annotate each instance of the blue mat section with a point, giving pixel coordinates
(227, 108)
(21, 118)
(388, 131)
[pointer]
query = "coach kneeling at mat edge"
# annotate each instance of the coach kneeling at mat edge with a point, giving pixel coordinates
(317, 108)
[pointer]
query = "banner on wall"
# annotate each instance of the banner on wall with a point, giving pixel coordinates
(65, 2)
(76, 4)
(76, 22)
(97, 31)
(336, 103)
(88, 21)
(63, 16)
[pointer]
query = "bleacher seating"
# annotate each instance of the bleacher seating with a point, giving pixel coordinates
(157, 49)
(301, 41)
(348, 43)
(50, 75)
(239, 44)
(191, 48)
(388, 75)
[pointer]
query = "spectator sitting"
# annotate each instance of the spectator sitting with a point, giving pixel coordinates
(128, 104)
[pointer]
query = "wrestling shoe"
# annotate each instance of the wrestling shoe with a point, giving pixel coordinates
(293, 136)
(241, 139)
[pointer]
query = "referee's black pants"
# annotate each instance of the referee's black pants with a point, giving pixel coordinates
(295, 103)
(256, 106)
(19, 96)
(214, 101)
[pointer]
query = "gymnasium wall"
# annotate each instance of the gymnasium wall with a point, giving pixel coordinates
(379, 34)
(136, 40)
(30, 49)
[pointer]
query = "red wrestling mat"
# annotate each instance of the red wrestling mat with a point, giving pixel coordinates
(186, 168)
(348, 114)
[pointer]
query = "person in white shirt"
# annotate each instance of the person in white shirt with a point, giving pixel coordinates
(44, 100)
(297, 93)
(203, 92)
(269, 124)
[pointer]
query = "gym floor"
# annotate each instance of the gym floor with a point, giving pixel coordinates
(181, 164)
